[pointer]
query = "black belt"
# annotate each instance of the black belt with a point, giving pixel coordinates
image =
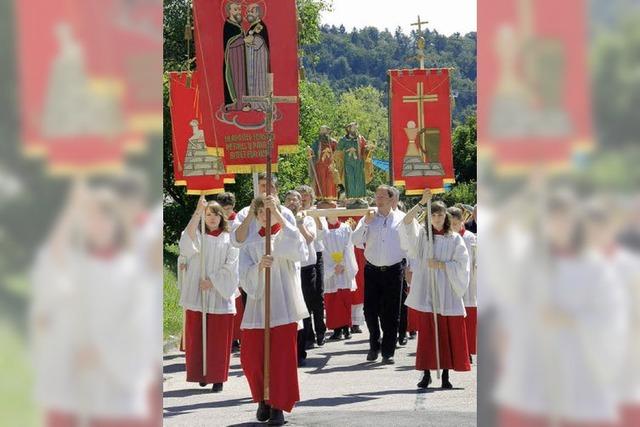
(384, 267)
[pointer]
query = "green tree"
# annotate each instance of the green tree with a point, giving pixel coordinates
(464, 141)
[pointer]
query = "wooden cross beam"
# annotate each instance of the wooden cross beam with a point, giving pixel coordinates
(270, 100)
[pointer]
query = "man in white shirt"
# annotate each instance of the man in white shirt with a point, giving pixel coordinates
(383, 273)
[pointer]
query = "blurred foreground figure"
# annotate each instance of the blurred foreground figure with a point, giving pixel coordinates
(563, 322)
(95, 340)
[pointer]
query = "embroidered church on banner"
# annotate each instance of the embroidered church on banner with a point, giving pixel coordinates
(194, 166)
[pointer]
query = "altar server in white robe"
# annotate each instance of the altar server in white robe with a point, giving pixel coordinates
(287, 309)
(94, 357)
(340, 269)
(451, 269)
(564, 327)
(470, 297)
(219, 288)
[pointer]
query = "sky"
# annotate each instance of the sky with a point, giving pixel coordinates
(445, 16)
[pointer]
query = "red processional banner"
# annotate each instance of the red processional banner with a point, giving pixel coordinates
(193, 165)
(533, 83)
(238, 43)
(80, 102)
(420, 113)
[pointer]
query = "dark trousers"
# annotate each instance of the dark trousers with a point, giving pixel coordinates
(313, 298)
(382, 306)
(320, 273)
(402, 326)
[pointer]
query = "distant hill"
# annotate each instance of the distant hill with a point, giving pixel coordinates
(348, 59)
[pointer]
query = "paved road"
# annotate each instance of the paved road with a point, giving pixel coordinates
(338, 387)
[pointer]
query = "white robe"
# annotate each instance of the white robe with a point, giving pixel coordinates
(221, 268)
(338, 241)
(100, 304)
(287, 302)
(451, 283)
(470, 297)
(254, 227)
(312, 258)
(627, 266)
(567, 369)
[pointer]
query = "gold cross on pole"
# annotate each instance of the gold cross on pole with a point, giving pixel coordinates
(421, 98)
(420, 55)
(419, 24)
(270, 100)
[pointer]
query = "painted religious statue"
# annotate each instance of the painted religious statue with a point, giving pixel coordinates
(354, 162)
(321, 165)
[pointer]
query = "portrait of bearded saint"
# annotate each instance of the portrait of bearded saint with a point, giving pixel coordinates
(257, 54)
(354, 162)
(234, 65)
(323, 171)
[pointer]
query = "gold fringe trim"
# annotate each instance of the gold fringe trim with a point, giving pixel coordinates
(256, 168)
(216, 151)
(205, 192)
(287, 149)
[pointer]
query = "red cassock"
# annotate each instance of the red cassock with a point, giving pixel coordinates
(412, 320)
(219, 337)
(283, 384)
(452, 339)
(472, 329)
(338, 308)
(237, 320)
(358, 295)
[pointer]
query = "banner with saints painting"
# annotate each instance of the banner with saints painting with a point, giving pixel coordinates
(238, 43)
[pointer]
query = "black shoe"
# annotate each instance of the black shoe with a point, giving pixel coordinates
(388, 360)
(412, 335)
(276, 418)
(336, 336)
(235, 345)
(426, 380)
(471, 359)
(347, 334)
(445, 380)
(402, 341)
(355, 329)
(263, 412)
(216, 388)
(320, 341)
(203, 384)
(372, 355)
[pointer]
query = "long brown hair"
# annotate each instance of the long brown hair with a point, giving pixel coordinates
(215, 208)
(437, 207)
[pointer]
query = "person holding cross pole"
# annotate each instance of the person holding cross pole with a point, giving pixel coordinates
(440, 266)
(287, 309)
(209, 286)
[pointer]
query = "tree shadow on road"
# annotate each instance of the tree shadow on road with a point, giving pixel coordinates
(172, 356)
(352, 342)
(175, 368)
(185, 409)
(334, 401)
(187, 392)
